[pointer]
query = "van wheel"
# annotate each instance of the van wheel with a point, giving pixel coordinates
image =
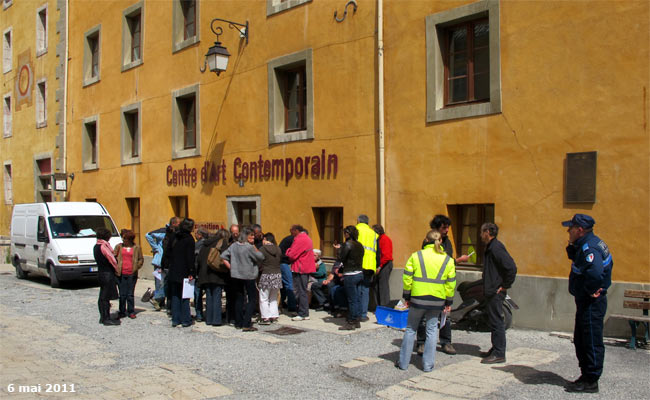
(20, 274)
(54, 281)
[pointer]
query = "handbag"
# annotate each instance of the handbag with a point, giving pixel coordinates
(147, 296)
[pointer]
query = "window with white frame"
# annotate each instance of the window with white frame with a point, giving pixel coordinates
(130, 133)
(6, 114)
(291, 98)
(7, 55)
(90, 143)
(41, 103)
(132, 24)
(276, 6)
(186, 132)
(92, 54)
(41, 30)
(463, 62)
(185, 28)
(9, 198)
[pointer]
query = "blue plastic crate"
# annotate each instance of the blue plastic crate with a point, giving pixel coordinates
(391, 317)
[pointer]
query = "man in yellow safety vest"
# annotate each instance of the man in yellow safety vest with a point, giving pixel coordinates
(370, 242)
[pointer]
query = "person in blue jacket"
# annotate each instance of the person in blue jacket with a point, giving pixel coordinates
(590, 277)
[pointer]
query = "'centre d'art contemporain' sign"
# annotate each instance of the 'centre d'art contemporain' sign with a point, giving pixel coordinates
(277, 169)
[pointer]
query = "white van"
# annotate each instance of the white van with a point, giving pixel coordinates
(57, 239)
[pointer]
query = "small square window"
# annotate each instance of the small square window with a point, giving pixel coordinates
(41, 31)
(90, 143)
(186, 138)
(243, 210)
(291, 105)
(185, 32)
(7, 52)
(7, 116)
(463, 62)
(329, 222)
(277, 6)
(8, 182)
(41, 104)
(132, 21)
(180, 206)
(92, 54)
(131, 134)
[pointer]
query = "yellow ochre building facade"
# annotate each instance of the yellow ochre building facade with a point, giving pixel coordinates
(514, 112)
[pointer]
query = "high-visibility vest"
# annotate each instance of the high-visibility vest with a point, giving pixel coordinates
(369, 240)
(429, 278)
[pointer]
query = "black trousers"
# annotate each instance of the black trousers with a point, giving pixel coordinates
(381, 286)
(245, 301)
(106, 291)
(494, 310)
(588, 337)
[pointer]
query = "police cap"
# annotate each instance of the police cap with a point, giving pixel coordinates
(582, 220)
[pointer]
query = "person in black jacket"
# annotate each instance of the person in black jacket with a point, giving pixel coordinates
(106, 268)
(170, 232)
(499, 272)
(211, 280)
(181, 266)
(351, 255)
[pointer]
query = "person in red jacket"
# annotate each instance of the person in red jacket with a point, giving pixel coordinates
(382, 278)
(301, 256)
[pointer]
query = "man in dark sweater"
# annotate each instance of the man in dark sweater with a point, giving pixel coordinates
(499, 272)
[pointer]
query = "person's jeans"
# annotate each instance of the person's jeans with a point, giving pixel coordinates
(382, 288)
(159, 293)
(353, 285)
(494, 310)
(414, 318)
(269, 303)
(198, 300)
(246, 299)
(213, 304)
(338, 298)
(287, 287)
(319, 293)
(180, 306)
(300, 290)
(126, 286)
(365, 291)
(444, 333)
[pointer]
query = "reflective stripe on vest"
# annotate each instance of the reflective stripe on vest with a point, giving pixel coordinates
(424, 272)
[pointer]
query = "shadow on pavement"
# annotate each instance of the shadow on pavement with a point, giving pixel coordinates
(531, 376)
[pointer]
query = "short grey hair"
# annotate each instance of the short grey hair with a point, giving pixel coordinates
(491, 228)
(363, 219)
(243, 236)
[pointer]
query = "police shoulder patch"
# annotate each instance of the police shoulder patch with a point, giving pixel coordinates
(590, 257)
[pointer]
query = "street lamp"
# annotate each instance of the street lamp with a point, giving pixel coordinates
(216, 59)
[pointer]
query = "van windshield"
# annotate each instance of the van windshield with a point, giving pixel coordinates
(79, 226)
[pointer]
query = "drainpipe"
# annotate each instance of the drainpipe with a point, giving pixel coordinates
(64, 154)
(380, 85)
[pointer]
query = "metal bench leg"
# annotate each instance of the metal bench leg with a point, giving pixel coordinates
(633, 338)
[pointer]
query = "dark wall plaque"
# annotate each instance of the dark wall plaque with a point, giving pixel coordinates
(580, 183)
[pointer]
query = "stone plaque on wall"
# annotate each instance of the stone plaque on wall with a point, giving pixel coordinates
(580, 183)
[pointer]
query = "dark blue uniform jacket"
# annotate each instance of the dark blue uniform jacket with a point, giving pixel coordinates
(591, 268)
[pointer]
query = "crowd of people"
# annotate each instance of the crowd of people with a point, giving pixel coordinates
(255, 272)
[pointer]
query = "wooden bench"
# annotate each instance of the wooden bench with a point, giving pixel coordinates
(635, 320)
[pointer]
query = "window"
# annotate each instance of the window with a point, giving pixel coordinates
(7, 57)
(291, 98)
(463, 62)
(179, 206)
(186, 138)
(41, 31)
(276, 6)
(243, 210)
(9, 198)
(7, 3)
(132, 19)
(41, 104)
(185, 32)
(90, 143)
(329, 221)
(466, 226)
(131, 136)
(44, 179)
(6, 113)
(133, 203)
(92, 54)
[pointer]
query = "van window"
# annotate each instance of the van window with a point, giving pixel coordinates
(42, 233)
(79, 225)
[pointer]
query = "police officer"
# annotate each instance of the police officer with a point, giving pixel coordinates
(590, 277)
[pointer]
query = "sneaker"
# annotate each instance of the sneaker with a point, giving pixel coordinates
(299, 318)
(132, 316)
(447, 348)
(155, 304)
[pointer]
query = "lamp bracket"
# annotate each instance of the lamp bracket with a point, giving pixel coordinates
(241, 28)
(345, 12)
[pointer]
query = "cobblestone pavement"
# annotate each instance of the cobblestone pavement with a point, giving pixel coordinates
(53, 347)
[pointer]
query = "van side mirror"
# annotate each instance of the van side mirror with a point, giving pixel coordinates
(43, 238)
